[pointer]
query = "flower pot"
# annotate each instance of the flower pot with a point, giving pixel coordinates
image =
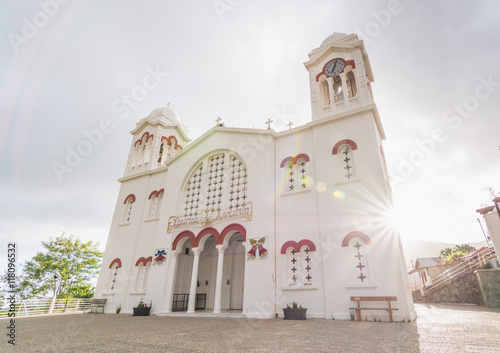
(142, 311)
(294, 314)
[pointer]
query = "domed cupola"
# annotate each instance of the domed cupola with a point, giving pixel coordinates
(156, 139)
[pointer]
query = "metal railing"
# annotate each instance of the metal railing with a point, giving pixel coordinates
(479, 259)
(28, 307)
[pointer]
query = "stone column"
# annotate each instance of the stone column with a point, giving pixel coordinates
(170, 283)
(218, 282)
(194, 280)
(344, 89)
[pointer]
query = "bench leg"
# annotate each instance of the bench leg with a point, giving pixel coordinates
(358, 314)
(390, 315)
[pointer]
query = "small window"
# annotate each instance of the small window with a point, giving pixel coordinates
(325, 92)
(142, 276)
(300, 265)
(359, 261)
(127, 214)
(338, 93)
(352, 89)
(347, 162)
(113, 278)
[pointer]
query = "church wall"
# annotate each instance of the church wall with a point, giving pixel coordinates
(358, 205)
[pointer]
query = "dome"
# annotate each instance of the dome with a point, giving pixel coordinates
(166, 111)
(335, 37)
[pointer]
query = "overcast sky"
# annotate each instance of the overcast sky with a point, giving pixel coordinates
(66, 67)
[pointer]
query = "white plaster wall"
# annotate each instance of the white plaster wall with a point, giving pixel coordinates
(493, 223)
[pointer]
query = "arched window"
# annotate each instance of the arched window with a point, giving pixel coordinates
(129, 201)
(359, 261)
(290, 177)
(300, 263)
(295, 176)
(160, 154)
(115, 266)
(325, 91)
(143, 269)
(147, 151)
(135, 152)
(347, 162)
(338, 92)
(156, 198)
(352, 89)
(301, 173)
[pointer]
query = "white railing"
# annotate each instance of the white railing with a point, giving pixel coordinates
(28, 307)
(480, 259)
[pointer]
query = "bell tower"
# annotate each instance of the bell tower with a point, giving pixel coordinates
(340, 76)
(156, 139)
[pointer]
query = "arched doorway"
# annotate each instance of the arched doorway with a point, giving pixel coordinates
(234, 274)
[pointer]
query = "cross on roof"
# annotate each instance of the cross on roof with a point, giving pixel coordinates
(289, 125)
(218, 120)
(168, 104)
(268, 122)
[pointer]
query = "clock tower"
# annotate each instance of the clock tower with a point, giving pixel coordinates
(340, 76)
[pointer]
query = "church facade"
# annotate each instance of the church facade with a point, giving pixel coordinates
(246, 221)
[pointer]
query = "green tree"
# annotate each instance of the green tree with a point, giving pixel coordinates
(455, 253)
(445, 252)
(74, 262)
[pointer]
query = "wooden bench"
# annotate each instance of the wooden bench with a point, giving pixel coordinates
(96, 304)
(373, 299)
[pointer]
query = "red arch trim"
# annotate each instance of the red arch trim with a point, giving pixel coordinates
(297, 246)
(184, 234)
(148, 136)
(344, 142)
(211, 231)
(168, 139)
(144, 260)
(356, 234)
(116, 261)
(156, 192)
(236, 227)
(128, 197)
(294, 159)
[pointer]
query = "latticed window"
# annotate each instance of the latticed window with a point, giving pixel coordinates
(300, 266)
(156, 200)
(129, 202)
(142, 276)
(296, 172)
(237, 182)
(301, 173)
(215, 182)
(290, 177)
(114, 275)
(222, 185)
(193, 192)
(358, 259)
(347, 163)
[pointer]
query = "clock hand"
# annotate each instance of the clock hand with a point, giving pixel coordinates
(333, 70)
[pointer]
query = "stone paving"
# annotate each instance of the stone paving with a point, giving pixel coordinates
(439, 328)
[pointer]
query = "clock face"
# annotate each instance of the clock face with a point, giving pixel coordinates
(334, 67)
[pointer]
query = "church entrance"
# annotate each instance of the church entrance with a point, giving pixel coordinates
(211, 269)
(234, 274)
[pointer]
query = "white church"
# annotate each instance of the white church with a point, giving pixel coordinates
(244, 221)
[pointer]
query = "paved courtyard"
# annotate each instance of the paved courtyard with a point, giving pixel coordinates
(439, 328)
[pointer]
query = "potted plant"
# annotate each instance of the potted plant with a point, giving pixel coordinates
(142, 309)
(294, 311)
